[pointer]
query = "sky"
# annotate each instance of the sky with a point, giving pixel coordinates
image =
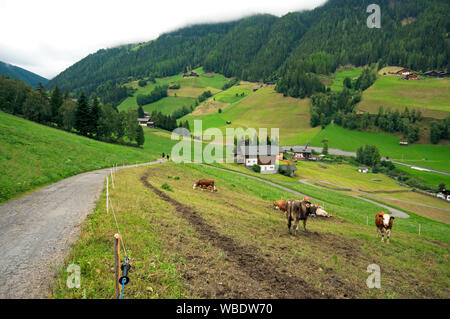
(48, 36)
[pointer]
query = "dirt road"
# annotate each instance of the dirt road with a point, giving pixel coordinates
(36, 232)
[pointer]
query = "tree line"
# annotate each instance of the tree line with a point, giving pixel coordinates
(87, 117)
(157, 94)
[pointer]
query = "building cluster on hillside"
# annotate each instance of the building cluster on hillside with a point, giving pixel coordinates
(195, 74)
(410, 75)
(145, 121)
(272, 163)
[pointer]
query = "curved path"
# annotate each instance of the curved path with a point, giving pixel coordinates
(394, 212)
(337, 151)
(37, 230)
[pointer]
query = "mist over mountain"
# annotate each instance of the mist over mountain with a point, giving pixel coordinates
(264, 47)
(15, 72)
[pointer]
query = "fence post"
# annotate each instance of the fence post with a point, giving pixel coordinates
(367, 220)
(419, 229)
(107, 195)
(117, 263)
(112, 178)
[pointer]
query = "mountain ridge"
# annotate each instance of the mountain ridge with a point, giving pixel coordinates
(19, 73)
(264, 47)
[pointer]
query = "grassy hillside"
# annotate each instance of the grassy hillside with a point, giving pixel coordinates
(190, 89)
(338, 77)
(184, 243)
(263, 108)
(430, 95)
(33, 155)
(432, 156)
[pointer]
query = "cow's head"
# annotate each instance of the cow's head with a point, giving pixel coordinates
(387, 219)
(215, 188)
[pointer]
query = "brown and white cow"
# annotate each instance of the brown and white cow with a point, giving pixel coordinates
(321, 212)
(384, 223)
(205, 184)
(280, 204)
(299, 210)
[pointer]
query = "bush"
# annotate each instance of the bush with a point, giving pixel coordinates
(166, 187)
(142, 83)
(256, 168)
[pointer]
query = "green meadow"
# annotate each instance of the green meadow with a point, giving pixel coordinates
(431, 156)
(261, 109)
(430, 95)
(33, 155)
(338, 78)
(190, 89)
(175, 266)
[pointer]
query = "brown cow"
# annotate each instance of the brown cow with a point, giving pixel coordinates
(280, 204)
(384, 223)
(299, 210)
(205, 183)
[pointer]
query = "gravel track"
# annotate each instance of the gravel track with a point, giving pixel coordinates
(37, 230)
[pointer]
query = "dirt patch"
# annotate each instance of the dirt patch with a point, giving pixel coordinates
(248, 259)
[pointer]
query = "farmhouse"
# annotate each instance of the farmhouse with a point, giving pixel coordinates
(403, 143)
(300, 152)
(445, 195)
(403, 72)
(287, 166)
(411, 76)
(437, 74)
(254, 155)
(195, 74)
(143, 121)
(364, 170)
(150, 124)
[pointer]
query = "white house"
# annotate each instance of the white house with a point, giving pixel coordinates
(251, 161)
(363, 170)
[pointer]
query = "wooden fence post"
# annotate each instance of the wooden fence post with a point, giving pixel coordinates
(112, 178)
(419, 229)
(107, 195)
(117, 263)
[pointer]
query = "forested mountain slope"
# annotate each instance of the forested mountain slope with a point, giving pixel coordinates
(413, 34)
(14, 72)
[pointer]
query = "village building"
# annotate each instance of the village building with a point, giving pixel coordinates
(437, 74)
(257, 155)
(445, 195)
(403, 72)
(411, 76)
(300, 152)
(364, 170)
(285, 166)
(143, 121)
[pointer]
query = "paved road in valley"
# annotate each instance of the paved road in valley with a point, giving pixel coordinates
(36, 232)
(394, 212)
(337, 151)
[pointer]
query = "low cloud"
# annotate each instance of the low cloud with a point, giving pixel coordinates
(49, 36)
